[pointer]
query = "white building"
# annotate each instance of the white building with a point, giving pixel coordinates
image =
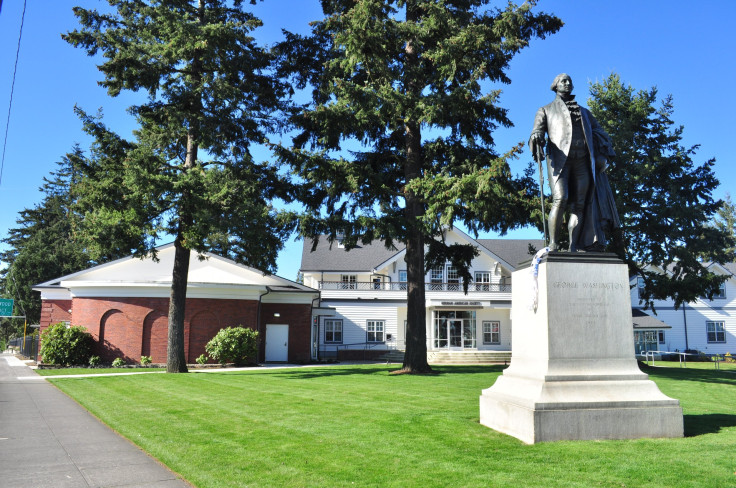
(363, 297)
(362, 309)
(704, 325)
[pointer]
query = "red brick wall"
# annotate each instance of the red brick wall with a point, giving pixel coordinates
(53, 312)
(299, 319)
(134, 326)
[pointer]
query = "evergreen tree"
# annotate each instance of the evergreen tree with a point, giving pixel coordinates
(406, 84)
(44, 245)
(725, 221)
(663, 197)
(189, 172)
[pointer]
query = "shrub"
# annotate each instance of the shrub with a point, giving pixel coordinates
(202, 359)
(66, 346)
(118, 363)
(233, 345)
(94, 361)
(145, 360)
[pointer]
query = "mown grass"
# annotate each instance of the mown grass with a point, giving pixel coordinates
(360, 426)
(78, 371)
(695, 365)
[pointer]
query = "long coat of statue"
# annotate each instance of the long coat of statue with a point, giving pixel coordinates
(554, 120)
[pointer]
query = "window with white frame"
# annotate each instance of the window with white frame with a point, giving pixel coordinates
(716, 331)
(482, 280)
(349, 282)
(375, 330)
(453, 278)
(661, 337)
(333, 331)
(402, 279)
(491, 332)
(720, 294)
(436, 277)
(640, 286)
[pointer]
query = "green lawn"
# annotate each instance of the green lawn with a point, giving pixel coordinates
(696, 365)
(359, 426)
(78, 371)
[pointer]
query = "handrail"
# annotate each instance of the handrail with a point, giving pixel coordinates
(403, 286)
(715, 358)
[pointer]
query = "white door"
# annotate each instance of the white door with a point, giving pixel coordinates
(277, 342)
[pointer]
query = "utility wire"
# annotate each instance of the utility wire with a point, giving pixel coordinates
(12, 88)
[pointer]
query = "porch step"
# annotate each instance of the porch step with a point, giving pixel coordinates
(469, 357)
(394, 356)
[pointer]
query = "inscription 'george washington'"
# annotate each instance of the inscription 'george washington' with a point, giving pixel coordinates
(594, 285)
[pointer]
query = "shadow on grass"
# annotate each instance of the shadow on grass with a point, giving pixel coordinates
(709, 423)
(724, 377)
(363, 370)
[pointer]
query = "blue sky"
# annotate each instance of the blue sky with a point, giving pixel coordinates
(684, 48)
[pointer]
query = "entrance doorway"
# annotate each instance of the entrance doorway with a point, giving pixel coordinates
(277, 343)
(454, 329)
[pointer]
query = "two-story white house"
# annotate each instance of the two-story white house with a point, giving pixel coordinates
(704, 325)
(362, 307)
(363, 297)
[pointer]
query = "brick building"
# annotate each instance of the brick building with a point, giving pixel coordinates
(124, 304)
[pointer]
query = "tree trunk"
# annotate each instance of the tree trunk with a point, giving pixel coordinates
(176, 361)
(415, 358)
(175, 358)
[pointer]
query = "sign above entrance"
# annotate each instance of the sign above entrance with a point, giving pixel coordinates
(458, 304)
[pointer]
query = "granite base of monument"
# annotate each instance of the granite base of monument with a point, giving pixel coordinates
(573, 374)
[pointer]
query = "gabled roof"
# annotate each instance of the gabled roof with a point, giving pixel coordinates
(643, 320)
(331, 257)
(132, 271)
(513, 251)
(366, 258)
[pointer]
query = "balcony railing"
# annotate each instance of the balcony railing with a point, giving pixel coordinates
(402, 286)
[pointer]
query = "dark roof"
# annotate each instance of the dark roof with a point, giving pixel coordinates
(513, 251)
(330, 257)
(643, 320)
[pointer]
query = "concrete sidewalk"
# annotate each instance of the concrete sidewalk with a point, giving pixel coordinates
(48, 440)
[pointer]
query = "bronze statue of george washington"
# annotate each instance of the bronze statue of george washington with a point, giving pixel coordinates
(578, 151)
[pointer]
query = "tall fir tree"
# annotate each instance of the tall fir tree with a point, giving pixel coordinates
(406, 85)
(189, 173)
(44, 245)
(663, 197)
(725, 221)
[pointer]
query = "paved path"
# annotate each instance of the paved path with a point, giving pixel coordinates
(48, 440)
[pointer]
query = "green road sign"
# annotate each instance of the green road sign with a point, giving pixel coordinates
(6, 307)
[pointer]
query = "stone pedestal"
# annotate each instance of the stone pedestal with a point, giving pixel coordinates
(573, 374)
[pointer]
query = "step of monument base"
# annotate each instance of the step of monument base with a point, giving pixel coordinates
(579, 410)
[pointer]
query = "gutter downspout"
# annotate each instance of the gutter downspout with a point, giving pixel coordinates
(258, 320)
(311, 319)
(684, 317)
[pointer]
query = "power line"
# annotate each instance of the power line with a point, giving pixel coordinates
(12, 88)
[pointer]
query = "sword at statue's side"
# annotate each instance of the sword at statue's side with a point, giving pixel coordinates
(539, 157)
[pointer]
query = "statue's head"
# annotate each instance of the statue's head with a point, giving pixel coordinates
(562, 84)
